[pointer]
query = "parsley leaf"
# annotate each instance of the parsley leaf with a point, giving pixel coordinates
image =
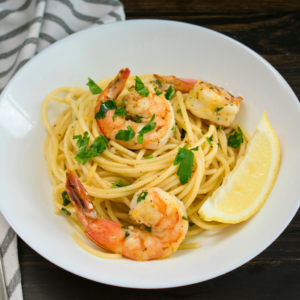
(142, 196)
(159, 83)
(236, 139)
(140, 87)
(174, 128)
(184, 218)
(178, 110)
(127, 234)
(218, 109)
(183, 133)
(138, 119)
(123, 102)
(104, 108)
(219, 127)
(120, 111)
(66, 211)
(148, 229)
(147, 128)
(169, 93)
(149, 156)
(185, 158)
(191, 224)
(124, 227)
(118, 184)
(97, 147)
(209, 140)
(195, 149)
(94, 87)
(157, 91)
(125, 135)
(66, 198)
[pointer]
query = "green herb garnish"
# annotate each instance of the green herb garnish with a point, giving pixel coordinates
(122, 102)
(125, 135)
(185, 158)
(117, 183)
(236, 139)
(178, 110)
(219, 127)
(120, 111)
(159, 83)
(183, 133)
(184, 218)
(94, 87)
(124, 227)
(148, 229)
(140, 87)
(66, 211)
(149, 156)
(97, 147)
(209, 140)
(138, 119)
(169, 93)
(104, 108)
(218, 109)
(157, 91)
(174, 128)
(127, 234)
(142, 196)
(147, 128)
(195, 149)
(191, 224)
(66, 198)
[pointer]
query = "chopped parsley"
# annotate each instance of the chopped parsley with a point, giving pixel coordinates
(209, 140)
(147, 128)
(183, 133)
(202, 132)
(104, 108)
(122, 102)
(174, 128)
(185, 158)
(159, 83)
(148, 229)
(66, 211)
(157, 91)
(138, 119)
(184, 218)
(236, 139)
(125, 135)
(169, 93)
(97, 147)
(219, 127)
(218, 109)
(117, 183)
(140, 87)
(178, 110)
(142, 196)
(94, 87)
(149, 156)
(124, 227)
(191, 224)
(195, 149)
(66, 198)
(120, 111)
(127, 234)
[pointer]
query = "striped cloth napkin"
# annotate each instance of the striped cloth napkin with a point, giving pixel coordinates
(26, 28)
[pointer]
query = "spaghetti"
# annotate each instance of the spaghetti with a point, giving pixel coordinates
(213, 160)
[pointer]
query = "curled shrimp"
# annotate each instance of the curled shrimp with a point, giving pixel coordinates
(139, 111)
(163, 214)
(208, 101)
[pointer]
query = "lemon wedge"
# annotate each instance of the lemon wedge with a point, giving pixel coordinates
(246, 188)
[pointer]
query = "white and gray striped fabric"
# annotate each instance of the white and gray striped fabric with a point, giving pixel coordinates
(26, 28)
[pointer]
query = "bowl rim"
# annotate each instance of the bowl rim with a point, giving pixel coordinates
(183, 282)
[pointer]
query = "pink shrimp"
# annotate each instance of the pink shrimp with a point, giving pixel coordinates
(163, 214)
(139, 111)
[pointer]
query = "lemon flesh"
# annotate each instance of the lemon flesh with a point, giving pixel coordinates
(247, 187)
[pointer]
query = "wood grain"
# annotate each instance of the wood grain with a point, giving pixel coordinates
(271, 28)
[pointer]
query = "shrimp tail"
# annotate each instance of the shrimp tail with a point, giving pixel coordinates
(179, 84)
(114, 88)
(80, 199)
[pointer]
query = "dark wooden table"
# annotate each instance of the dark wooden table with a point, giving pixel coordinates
(272, 29)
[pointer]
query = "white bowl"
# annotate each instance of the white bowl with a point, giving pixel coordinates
(145, 46)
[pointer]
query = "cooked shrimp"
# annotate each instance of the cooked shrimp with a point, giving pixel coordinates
(179, 84)
(163, 214)
(208, 101)
(139, 111)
